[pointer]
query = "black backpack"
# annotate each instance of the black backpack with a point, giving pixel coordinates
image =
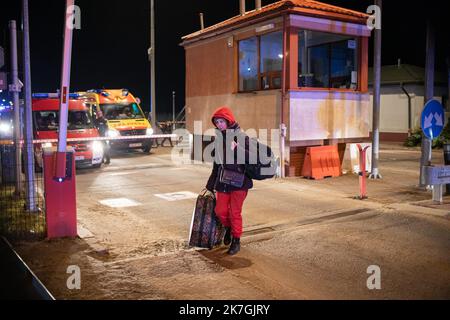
(266, 164)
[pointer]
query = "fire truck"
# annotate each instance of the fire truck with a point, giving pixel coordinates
(124, 115)
(80, 125)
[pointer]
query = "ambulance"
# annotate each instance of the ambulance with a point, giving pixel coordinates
(45, 106)
(125, 118)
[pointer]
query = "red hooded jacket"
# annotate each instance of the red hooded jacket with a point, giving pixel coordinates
(224, 113)
(213, 183)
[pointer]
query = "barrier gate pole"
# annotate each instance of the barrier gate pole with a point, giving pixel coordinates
(65, 91)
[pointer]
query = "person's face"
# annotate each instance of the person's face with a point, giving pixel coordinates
(221, 124)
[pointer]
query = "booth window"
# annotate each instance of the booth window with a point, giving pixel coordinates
(271, 57)
(327, 60)
(261, 62)
(248, 64)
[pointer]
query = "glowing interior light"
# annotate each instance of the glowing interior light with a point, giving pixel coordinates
(280, 56)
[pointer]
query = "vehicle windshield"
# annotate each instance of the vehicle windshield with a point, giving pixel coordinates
(122, 111)
(49, 120)
(6, 116)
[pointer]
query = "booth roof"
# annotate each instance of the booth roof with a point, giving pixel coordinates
(303, 7)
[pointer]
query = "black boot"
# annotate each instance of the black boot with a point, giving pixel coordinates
(235, 246)
(227, 237)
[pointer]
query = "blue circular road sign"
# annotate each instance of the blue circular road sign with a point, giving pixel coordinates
(433, 119)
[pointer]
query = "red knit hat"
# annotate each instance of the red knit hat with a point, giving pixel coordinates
(224, 113)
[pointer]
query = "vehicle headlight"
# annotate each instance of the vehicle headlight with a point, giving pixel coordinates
(5, 128)
(150, 132)
(47, 145)
(97, 147)
(113, 133)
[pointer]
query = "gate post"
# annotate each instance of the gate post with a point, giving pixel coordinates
(362, 173)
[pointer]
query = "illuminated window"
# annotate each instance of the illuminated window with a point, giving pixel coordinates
(268, 51)
(271, 60)
(248, 64)
(327, 60)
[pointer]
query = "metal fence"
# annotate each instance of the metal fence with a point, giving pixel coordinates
(22, 202)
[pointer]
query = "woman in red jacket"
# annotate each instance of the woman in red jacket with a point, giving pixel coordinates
(229, 199)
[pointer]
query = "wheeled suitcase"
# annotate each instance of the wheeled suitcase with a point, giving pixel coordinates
(206, 229)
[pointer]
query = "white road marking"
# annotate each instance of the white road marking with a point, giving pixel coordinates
(120, 203)
(122, 173)
(83, 232)
(177, 196)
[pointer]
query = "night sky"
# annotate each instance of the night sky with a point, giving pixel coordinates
(110, 50)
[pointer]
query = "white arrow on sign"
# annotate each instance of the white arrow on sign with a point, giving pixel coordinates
(428, 121)
(438, 118)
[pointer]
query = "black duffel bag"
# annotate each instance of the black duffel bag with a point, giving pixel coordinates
(262, 163)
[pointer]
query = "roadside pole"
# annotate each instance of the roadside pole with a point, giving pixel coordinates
(15, 87)
(376, 100)
(173, 111)
(153, 63)
(28, 126)
(425, 159)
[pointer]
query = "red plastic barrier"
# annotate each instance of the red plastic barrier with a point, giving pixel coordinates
(322, 162)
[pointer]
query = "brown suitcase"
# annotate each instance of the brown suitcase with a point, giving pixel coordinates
(206, 229)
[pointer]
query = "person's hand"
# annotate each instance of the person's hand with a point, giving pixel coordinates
(234, 145)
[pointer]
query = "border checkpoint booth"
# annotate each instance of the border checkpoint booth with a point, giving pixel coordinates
(300, 63)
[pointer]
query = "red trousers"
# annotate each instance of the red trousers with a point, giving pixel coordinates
(229, 210)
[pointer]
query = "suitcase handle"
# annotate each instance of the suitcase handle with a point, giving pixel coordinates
(205, 191)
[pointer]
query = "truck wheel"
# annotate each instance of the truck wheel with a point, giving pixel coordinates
(37, 167)
(147, 149)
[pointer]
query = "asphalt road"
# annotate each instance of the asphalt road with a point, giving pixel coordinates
(303, 239)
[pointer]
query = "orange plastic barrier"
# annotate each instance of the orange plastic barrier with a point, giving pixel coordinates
(322, 162)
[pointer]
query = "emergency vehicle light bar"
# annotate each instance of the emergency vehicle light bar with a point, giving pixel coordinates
(125, 92)
(99, 91)
(54, 95)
